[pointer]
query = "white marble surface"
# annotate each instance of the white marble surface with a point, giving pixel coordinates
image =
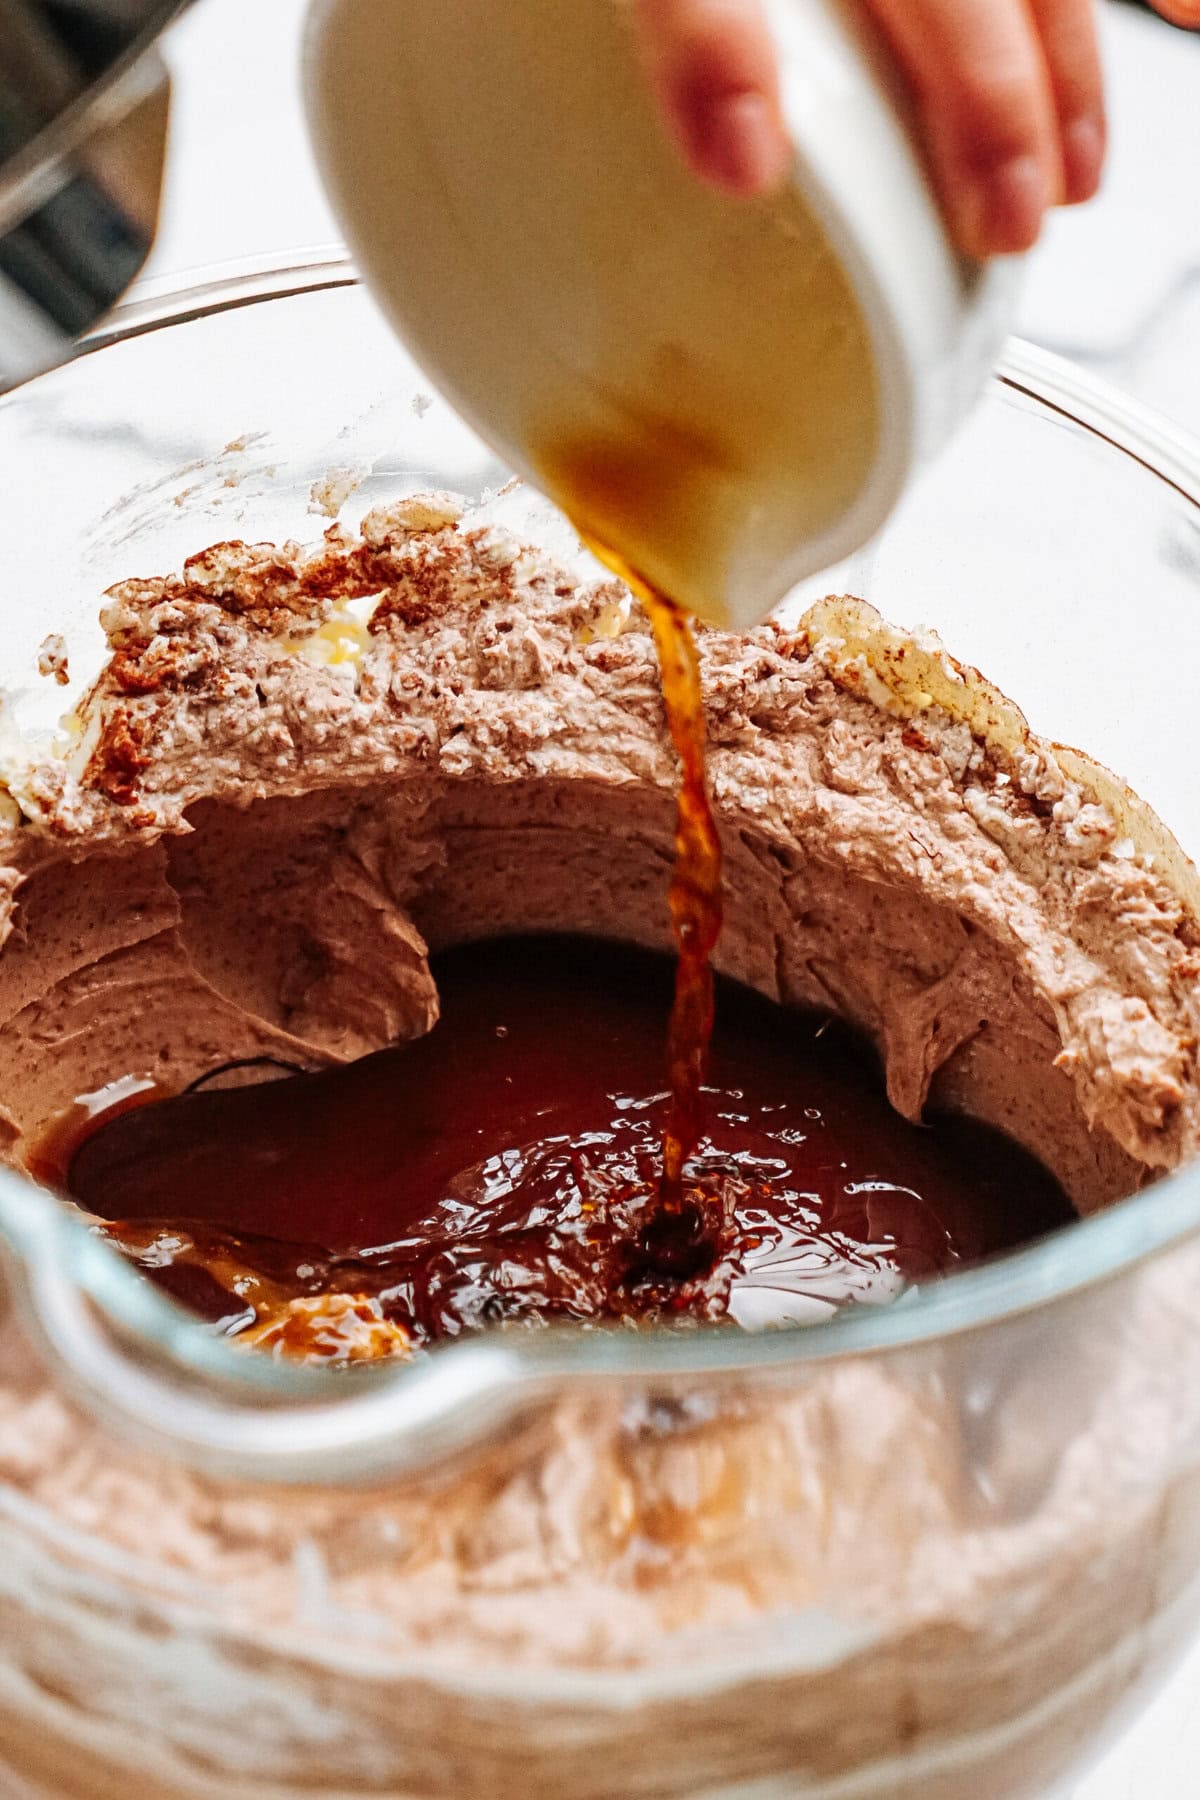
(1116, 285)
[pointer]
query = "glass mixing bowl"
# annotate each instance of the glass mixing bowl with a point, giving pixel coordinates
(219, 1577)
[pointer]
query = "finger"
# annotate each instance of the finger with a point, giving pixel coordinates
(711, 64)
(1179, 12)
(982, 90)
(1072, 51)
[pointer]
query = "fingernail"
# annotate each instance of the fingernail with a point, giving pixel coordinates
(1004, 213)
(1083, 158)
(742, 145)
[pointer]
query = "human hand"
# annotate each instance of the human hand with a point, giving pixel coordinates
(1008, 94)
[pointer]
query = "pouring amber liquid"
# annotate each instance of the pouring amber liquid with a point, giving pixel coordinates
(648, 483)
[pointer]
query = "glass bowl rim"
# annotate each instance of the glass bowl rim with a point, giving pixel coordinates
(61, 1271)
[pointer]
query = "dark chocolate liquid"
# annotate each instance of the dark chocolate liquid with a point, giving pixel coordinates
(507, 1166)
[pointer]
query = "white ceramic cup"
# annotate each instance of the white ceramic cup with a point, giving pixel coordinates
(776, 372)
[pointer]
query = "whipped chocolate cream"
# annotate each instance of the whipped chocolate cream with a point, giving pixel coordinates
(302, 770)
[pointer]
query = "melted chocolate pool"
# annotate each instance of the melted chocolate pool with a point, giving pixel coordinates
(506, 1167)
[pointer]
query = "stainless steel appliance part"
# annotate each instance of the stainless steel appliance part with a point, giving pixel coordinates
(83, 119)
